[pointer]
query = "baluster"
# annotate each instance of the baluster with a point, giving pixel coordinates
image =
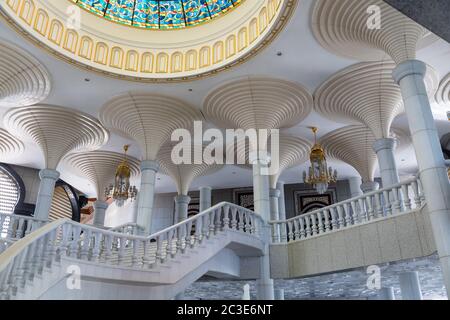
(122, 247)
(74, 245)
(253, 224)
(248, 225)
(370, 210)
(10, 231)
(241, 220)
(355, 215)
(341, 219)
(188, 237)
(96, 239)
(159, 250)
(169, 248)
(421, 193)
(64, 243)
(218, 226)
(396, 203)
(135, 257)
(198, 231)
(180, 238)
(334, 218)
(205, 226)
(234, 222)
(387, 203)
(415, 187)
(145, 254)
(226, 217)
(327, 220)
(290, 231)
(86, 244)
(25, 266)
(314, 228)
(406, 198)
(296, 229)
(283, 232)
(301, 227)
(19, 230)
(348, 214)
(320, 222)
(212, 217)
(362, 210)
(108, 247)
(52, 247)
(308, 226)
(378, 206)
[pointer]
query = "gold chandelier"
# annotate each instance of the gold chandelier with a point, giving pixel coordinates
(319, 174)
(122, 190)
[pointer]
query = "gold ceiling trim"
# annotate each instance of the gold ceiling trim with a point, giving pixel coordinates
(46, 31)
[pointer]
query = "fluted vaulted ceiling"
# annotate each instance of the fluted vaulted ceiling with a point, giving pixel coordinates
(23, 79)
(147, 118)
(342, 27)
(56, 130)
(9, 145)
(255, 102)
(100, 167)
(293, 151)
(183, 174)
(443, 93)
(365, 93)
(353, 145)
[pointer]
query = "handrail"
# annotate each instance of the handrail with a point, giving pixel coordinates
(373, 205)
(29, 256)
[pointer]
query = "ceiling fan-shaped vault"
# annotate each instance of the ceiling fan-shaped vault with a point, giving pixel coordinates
(159, 14)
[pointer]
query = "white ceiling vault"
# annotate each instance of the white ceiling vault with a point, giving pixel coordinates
(294, 56)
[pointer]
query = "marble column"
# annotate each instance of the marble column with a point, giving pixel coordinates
(274, 204)
(100, 213)
(181, 207)
(355, 186)
(386, 293)
(279, 294)
(147, 195)
(282, 209)
(369, 186)
(410, 286)
(205, 198)
(384, 148)
(433, 173)
(45, 193)
(262, 207)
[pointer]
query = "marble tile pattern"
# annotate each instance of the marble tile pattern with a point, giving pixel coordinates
(343, 285)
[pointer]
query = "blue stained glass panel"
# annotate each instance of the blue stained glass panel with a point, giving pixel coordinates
(158, 14)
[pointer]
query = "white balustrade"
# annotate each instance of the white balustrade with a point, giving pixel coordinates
(42, 248)
(379, 204)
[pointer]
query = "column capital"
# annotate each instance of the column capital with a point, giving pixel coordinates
(101, 204)
(149, 165)
(274, 193)
(384, 143)
(257, 156)
(409, 67)
(49, 174)
(181, 198)
(205, 188)
(369, 186)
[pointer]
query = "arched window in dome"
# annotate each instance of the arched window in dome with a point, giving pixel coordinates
(159, 14)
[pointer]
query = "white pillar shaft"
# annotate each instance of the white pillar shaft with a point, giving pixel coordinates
(100, 213)
(181, 207)
(261, 188)
(386, 293)
(384, 149)
(45, 193)
(147, 195)
(279, 294)
(205, 198)
(274, 202)
(433, 173)
(281, 201)
(355, 187)
(410, 286)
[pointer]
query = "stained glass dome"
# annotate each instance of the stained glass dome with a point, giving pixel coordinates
(159, 14)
